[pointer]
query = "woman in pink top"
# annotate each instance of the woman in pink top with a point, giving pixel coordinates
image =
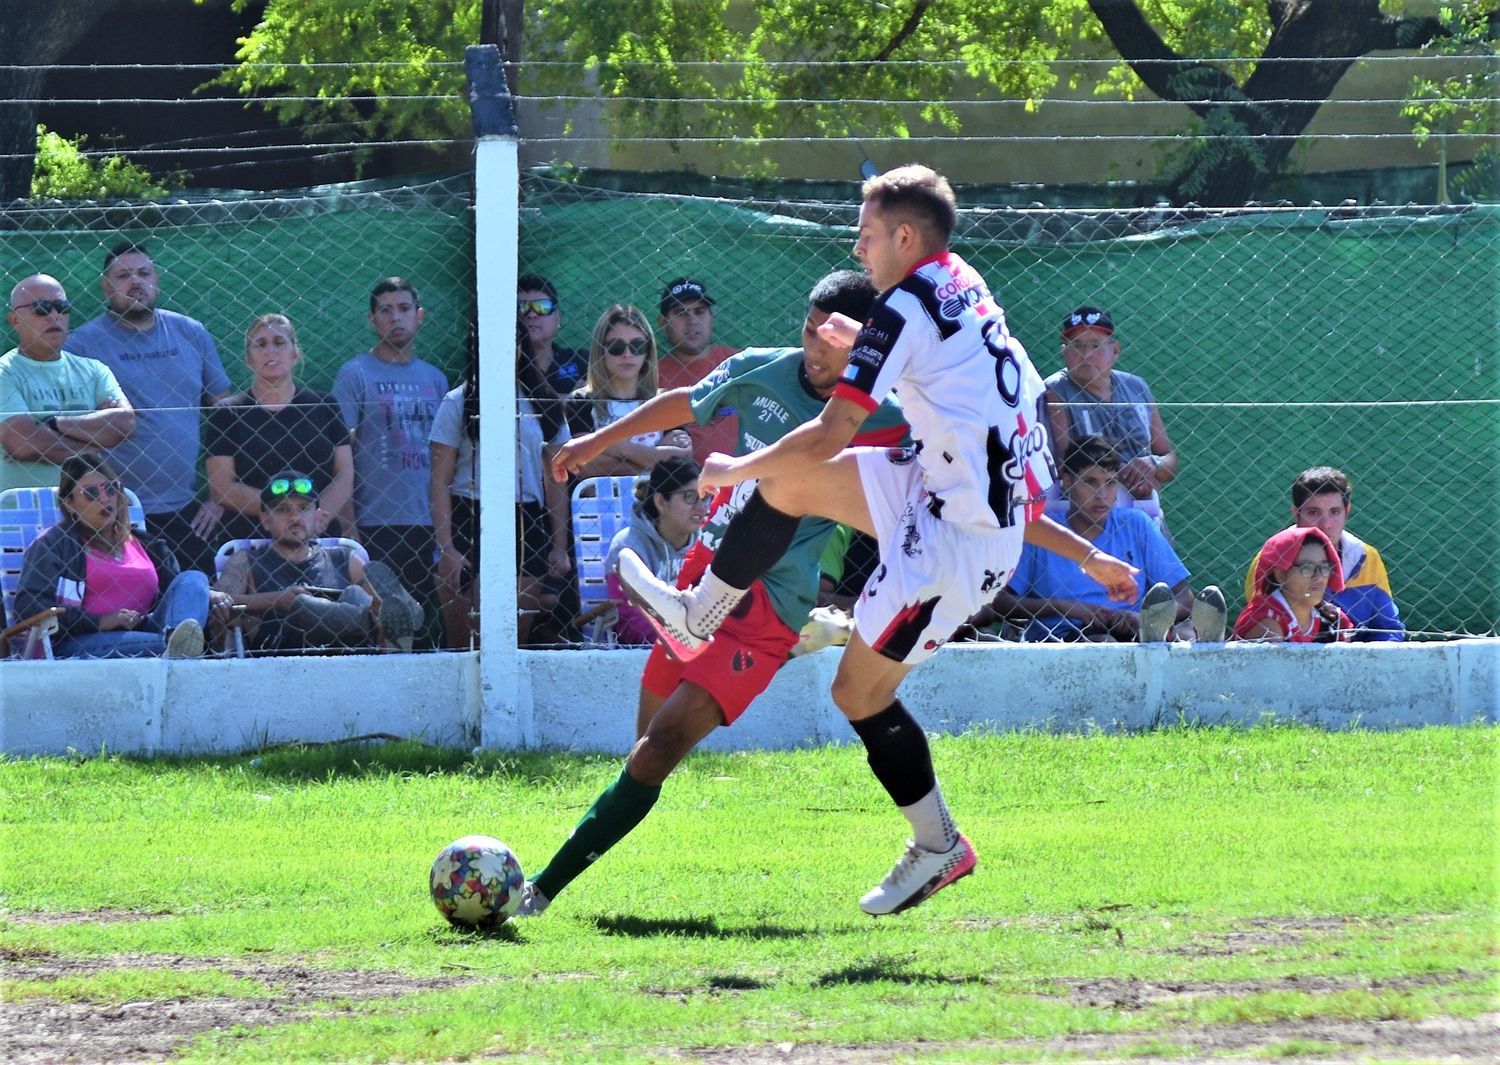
(122, 594)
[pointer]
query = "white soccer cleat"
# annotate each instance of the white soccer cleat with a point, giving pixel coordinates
(1209, 615)
(918, 874)
(664, 606)
(827, 626)
(533, 902)
(1158, 613)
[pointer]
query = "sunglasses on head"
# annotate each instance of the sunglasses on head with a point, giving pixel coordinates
(1310, 570)
(638, 346)
(301, 486)
(42, 308)
(92, 492)
(539, 307)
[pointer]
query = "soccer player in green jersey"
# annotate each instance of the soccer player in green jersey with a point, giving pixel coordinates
(773, 390)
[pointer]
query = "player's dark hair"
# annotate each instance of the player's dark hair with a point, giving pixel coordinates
(393, 284)
(536, 283)
(848, 292)
(1321, 480)
(917, 194)
(125, 247)
(1089, 451)
(667, 476)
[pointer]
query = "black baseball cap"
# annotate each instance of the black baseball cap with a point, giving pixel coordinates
(1087, 318)
(288, 483)
(684, 290)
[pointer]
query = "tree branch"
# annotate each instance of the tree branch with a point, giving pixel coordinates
(1160, 67)
(912, 22)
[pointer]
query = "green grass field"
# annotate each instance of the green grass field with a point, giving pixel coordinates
(1248, 894)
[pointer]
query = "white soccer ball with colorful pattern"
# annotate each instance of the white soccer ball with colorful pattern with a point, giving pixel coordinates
(476, 882)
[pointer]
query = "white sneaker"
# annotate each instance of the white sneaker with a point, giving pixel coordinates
(1209, 615)
(533, 902)
(918, 874)
(827, 626)
(664, 606)
(186, 640)
(1158, 613)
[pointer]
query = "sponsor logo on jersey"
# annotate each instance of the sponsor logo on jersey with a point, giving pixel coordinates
(1023, 448)
(864, 355)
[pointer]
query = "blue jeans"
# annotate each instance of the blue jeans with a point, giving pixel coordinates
(186, 597)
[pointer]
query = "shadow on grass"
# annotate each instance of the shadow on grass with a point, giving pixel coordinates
(453, 935)
(692, 927)
(889, 971)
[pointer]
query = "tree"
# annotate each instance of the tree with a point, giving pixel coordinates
(1254, 75)
(36, 34)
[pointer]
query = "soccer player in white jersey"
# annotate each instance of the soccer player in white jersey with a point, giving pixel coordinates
(950, 514)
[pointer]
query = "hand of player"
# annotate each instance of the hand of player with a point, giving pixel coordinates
(573, 456)
(719, 471)
(1117, 577)
(840, 330)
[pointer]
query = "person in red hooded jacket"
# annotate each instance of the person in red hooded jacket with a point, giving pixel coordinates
(1297, 568)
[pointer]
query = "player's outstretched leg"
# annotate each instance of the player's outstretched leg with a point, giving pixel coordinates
(685, 619)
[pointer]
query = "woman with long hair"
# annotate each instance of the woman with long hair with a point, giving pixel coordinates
(121, 591)
(274, 425)
(622, 375)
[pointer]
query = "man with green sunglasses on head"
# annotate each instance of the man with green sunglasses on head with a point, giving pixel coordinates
(300, 595)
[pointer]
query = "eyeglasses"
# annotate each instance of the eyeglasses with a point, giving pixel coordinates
(539, 308)
(92, 492)
(302, 486)
(689, 496)
(638, 346)
(42, 308)
(1310, 570)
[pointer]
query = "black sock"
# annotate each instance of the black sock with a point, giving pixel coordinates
(898, 753)
(755, 539)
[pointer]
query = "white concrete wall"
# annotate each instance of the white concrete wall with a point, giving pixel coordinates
(585, 700)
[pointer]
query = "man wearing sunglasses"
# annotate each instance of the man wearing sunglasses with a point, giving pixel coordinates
(53, 404)
(540, 311)
(170, 369)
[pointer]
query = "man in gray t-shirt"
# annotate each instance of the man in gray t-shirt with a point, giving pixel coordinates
(169, 368)
(388, 397)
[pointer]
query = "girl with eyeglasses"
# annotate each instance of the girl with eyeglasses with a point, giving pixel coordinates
(121, 591)
(622, 375)
(664, 524)
(1298, 567)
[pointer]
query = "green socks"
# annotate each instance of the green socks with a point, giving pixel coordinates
(617, 810)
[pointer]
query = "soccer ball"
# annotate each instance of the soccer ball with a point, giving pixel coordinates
(476, 882)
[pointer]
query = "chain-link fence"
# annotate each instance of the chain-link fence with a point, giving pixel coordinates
(1274, 340)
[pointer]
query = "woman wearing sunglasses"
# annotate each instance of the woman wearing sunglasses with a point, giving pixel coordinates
(274, 425)
(121, 591)
(1297, 568)
(622, 376)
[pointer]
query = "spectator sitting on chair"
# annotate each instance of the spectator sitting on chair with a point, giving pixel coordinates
(300, 595)
(540, 311)
(664, 523)
(687, 320)
(121, 592)
(53, 404)
(1320, 499)
(621, 377)
(1060, 602)
(1089, 397)
(388, 397)
(274, 425)
(170, 370)
(1294, 572)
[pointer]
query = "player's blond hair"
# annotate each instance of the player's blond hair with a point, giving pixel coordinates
(917, 195)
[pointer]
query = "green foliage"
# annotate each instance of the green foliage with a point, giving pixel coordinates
(63, 172)
(392, 49)
(1462, 104)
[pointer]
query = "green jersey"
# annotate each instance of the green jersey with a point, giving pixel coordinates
(768, 389)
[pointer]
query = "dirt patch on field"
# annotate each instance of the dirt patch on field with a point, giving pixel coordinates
(85, 917)
(34, 1031)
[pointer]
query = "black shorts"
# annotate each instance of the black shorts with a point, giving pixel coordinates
(465, 524)
(533, 539)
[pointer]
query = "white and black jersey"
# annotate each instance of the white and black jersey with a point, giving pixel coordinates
(970, 393)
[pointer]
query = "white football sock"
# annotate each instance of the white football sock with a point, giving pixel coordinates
(931, 824)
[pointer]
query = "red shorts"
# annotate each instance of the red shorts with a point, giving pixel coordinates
(739, 663)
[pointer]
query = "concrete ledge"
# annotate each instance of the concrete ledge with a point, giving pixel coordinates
(585, 700)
